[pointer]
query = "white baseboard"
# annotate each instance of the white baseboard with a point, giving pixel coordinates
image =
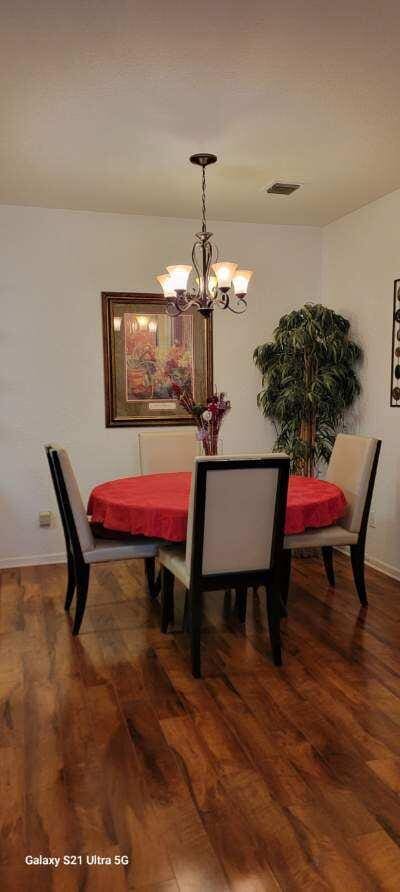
(381, 566)
(387, 569)
(32, 560)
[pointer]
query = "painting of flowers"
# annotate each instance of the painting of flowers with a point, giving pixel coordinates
(147, 355)
(158, 354)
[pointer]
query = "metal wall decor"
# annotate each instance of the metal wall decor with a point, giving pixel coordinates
(395, 377)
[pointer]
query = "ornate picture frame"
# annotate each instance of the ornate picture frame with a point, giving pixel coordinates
(395, 371)
(145, 352)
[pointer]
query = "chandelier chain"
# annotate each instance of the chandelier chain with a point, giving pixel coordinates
(203, 201)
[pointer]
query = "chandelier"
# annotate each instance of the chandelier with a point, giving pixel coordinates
(216, 284)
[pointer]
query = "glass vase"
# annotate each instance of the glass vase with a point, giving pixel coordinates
(211, 446)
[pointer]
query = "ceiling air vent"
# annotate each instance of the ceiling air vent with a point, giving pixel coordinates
(282, 188)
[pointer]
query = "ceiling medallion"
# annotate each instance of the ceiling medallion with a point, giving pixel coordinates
(216, 284)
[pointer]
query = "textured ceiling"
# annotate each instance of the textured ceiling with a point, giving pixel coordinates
(102, 102)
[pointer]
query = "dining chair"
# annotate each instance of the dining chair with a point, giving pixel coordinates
(71, 582)
(86, 547)
(352, 466)
(162, 452)
(234, 540)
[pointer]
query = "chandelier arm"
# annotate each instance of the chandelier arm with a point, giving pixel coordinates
(207, 260)
(197, 268)
(221, 300)
(182, 301)
(243, 308)
(202, 264)
(194, 302)
(172, 309)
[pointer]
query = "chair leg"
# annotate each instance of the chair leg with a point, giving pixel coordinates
(71, 584)
(153, 584)
(83, 573)
(241, 603)
(196, 612)
(227, 604)
(284, 570)
(357, 563)
(327, 555)
(186, 621)
(167, 599)
(274, 621)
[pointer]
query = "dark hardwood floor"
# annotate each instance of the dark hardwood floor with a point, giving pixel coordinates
(252, 779)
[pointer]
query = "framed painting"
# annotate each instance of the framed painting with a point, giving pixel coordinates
(146, 351)
(395, 374)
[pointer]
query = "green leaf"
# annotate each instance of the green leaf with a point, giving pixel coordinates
(308, 375)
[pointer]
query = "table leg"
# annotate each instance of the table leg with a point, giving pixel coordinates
(153, 583)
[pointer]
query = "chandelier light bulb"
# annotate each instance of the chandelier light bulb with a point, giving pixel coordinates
(224, 272)
(143, 323)
(166, 285)
(241, 280)
(152, 326)
(212, 283)
(117, 321)
(179, 276)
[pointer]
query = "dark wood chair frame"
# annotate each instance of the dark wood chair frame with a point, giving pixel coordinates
(240, 580)
(76, 562)
(357, 551)
(71, 583)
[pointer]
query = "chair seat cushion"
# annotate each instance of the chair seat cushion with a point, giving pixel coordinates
(333, 535)
(118, 550)
(174, 559)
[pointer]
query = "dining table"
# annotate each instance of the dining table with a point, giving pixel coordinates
(157, 505)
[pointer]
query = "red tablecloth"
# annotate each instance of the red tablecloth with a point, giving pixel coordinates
(156, 505)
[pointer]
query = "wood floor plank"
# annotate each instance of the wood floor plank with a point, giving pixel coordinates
(382, 858)
(253, 778)
(130, 807)
(177, 817)
(388, 771)
(261, 748)
(229, 836)
(12, 805)
(373, 736)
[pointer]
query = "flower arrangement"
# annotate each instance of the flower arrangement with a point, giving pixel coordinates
(208, 417)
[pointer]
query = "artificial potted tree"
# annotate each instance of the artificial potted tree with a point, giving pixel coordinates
(309, 381)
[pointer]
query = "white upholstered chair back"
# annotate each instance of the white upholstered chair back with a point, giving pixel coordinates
(239, 515)
(161, 452)
(350, 467)
(83, 529)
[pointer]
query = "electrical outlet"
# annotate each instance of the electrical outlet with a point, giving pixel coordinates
(45, 518)
(372, 519)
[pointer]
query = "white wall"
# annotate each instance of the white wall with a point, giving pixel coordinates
(54, 264)
(361, 258)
